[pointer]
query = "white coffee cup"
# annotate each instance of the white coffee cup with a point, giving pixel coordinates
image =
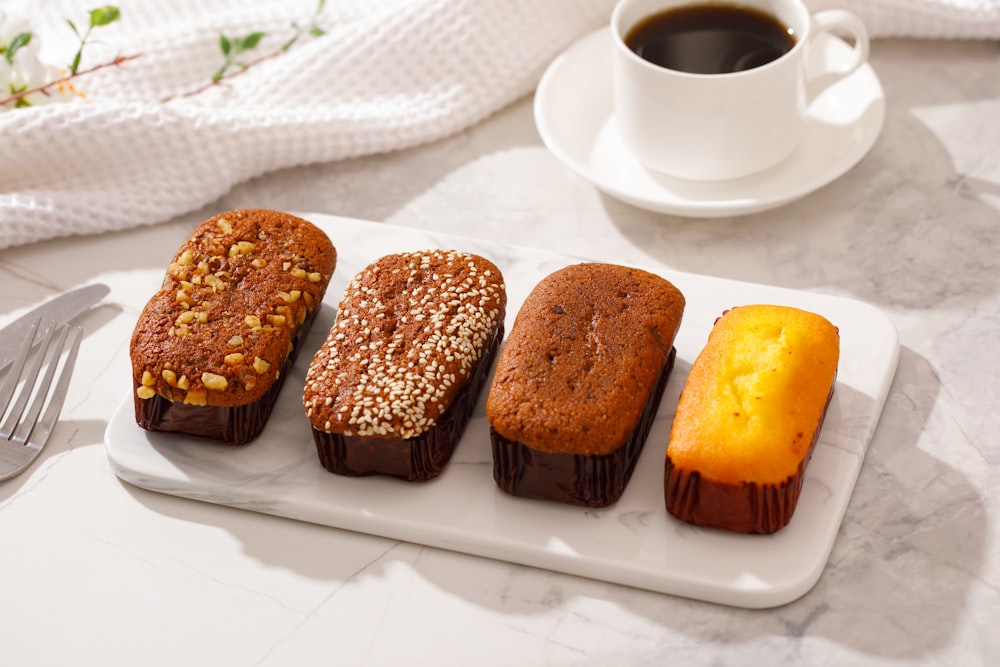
(712, 127)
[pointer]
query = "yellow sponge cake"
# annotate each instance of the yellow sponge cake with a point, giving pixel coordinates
(748, 418)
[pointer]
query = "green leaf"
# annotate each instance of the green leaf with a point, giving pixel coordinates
(22, 39)
(104, 15)
(322, 3)
(251, 41)
(72, 27)
(317, 32)
(225, 45)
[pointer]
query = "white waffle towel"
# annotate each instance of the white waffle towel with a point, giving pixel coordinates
(388, 74)
(937, 19)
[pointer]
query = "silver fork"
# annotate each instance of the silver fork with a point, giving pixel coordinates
(24, 427)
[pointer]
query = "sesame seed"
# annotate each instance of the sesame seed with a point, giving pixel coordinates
(438, 323)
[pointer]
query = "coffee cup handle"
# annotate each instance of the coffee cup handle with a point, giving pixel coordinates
(842, 22)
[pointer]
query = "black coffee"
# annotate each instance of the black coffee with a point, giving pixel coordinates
(710, 39)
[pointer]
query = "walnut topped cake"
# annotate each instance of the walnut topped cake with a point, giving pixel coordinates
(393, 386)
(209, 348)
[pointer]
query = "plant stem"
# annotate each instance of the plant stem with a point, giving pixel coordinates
(44, 89)
(215, 81)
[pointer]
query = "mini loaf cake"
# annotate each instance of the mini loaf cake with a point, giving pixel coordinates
(748, 418)
(394, 385)
(579, 382)
(210, 348)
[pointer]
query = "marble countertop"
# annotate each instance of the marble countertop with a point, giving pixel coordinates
(95, 570)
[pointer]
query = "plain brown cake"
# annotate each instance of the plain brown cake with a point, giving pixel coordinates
(748, 418)
(579, 381)
(210, 347)
(394, 385)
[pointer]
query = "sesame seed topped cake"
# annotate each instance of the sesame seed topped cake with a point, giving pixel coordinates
(210, 347)
(579, 382)
(748, 418)
(395, 383)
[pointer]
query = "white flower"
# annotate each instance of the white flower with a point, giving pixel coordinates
(11, 27)
(24, 70)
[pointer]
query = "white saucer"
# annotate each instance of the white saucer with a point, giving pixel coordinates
(574, 116)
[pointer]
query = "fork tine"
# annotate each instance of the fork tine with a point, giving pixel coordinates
(14, 371)
(29, 377)
(41, 429)
(30, 416)
(17, 453)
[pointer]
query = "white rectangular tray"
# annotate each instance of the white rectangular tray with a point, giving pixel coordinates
(633, 542)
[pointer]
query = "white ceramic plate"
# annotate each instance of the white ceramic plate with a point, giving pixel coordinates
(633, 542)
(575, 118)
